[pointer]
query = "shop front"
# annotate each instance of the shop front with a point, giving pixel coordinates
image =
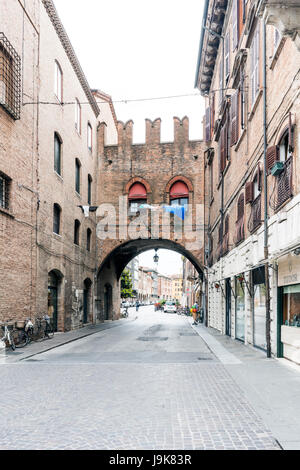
(259, 307)
(239, 309)
(289, 307)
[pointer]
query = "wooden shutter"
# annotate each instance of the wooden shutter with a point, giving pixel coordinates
(235, 25)
(234, 117)
(207, 125)
(227, 57)
(240, 208)
(291, 134)
(223, 138)
(226, 225)
(259, 177)
(249, 192)
(272, 156)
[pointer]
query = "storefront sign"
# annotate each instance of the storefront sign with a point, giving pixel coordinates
(289, 270)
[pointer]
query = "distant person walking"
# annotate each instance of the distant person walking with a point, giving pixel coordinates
(137, 306)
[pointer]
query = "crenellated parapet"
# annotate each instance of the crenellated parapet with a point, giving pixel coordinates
(152, 133)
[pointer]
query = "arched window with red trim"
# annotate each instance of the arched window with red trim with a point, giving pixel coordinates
(137, 196)
(179, 194)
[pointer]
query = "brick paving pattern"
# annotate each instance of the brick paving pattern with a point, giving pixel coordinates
(153, 399)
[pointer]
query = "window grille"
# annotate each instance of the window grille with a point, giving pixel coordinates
(10, 78)
(4, 191)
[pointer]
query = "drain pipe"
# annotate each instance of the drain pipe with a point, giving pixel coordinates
(266, 234)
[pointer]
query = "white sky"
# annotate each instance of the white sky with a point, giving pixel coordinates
(169, 262)
(141, 49)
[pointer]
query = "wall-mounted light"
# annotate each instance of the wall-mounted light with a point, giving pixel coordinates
(156, 257)
(297, 251)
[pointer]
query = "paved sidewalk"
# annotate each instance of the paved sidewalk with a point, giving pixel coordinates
(59, 339)
(272, 386)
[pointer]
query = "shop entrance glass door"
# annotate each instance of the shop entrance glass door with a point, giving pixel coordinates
(259, 308)
(239, 311)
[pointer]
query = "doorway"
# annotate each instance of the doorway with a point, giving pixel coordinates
(86, 301)
(53, 289)
(107, 300)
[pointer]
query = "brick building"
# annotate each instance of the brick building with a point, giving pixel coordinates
(248, 71)
(150, 174)
(48, 168)
(164, 287)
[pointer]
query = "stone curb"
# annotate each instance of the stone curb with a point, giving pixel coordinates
(106, 326)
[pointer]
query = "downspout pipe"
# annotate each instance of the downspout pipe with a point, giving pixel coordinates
(266, 233)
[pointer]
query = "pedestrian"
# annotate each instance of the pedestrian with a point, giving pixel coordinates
(194, 313)
(137, 305)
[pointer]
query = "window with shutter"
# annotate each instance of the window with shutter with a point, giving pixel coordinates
(254, 70)
(227, 57)
(240, 208)
(220, 83)
(223, 138)
(249, 192)
(272, 156)
(234, 118)
(235, 24)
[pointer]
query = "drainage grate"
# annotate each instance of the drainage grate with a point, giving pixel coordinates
(188, 334)
(152, 338)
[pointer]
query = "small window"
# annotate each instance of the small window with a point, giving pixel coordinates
(254, 71)
(10, 78)
(88, 239)
(277, 38)
(90, 137)
(77, 175)
(89, 190)
(284, 152)
(137, 196)
(57, 154)
(58, 81)
(56, 218)
(76, 232)
(78, 117)
(4, 191)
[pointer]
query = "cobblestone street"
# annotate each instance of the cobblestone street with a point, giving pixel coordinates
(149, 384)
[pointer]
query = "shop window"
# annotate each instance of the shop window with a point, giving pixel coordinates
(291, 305)
(136, 197)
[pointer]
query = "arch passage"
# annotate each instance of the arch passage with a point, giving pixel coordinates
(110, 270)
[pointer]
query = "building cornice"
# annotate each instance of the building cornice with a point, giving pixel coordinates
(213, 20)
(66, 43)
(107, 98)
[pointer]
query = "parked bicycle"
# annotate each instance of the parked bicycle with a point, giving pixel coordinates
(125, 312)
(6, 336)
(39, 330)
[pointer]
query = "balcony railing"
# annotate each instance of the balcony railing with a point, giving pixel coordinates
(239, 231)
(255, 216)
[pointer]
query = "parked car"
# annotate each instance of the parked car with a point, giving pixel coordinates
(170, 307)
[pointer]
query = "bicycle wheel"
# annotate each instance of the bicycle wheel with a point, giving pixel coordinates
(11, 341)
(49, 333)
(20, 338)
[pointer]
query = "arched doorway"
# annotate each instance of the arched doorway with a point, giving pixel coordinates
(107, 301)
(87, 301)
(54, 281)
